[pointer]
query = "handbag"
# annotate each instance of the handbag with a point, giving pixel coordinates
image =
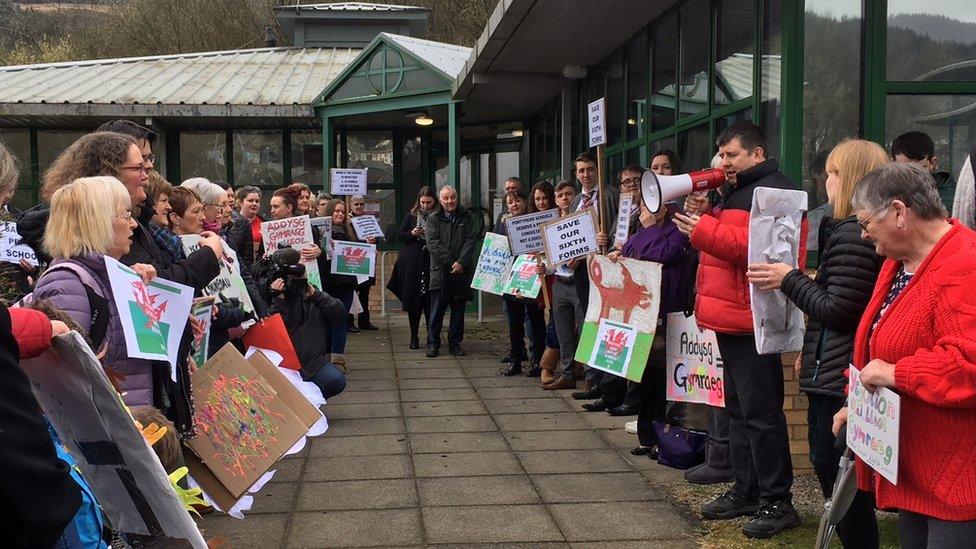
(270, 333)
(679, 448)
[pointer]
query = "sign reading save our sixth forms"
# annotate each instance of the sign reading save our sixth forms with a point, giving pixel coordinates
(570, 237)
(597, 116)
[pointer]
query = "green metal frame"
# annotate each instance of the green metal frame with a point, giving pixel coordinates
(791, 90)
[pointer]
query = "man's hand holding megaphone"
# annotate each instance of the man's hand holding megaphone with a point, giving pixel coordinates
(658, 189)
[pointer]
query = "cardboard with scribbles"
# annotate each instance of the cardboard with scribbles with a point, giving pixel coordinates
(247, 416)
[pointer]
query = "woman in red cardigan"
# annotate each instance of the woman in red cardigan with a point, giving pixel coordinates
(918, 337)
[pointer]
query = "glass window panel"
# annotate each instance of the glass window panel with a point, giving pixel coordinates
(442, 172)
(663, 56)
(203, 154)
(694, 148)
(661, 145)
(831, 89)
(355, 86)
(637, 59)
(735, 50)
(382, 203)
(931, 40)
(412, 170)
(257, 158)
(772, 70)
(637, 155)
(948, 119)
(464, 189)
(18, 143)
(615, 163)
(615, 98)
(693, 64)
(51, 143)
(374, 151)
(306, 158)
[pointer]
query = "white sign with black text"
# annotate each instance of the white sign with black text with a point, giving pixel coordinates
(366, 226)
(523, 231)
(570, 237)
(12, 250)
(623, 219)
(347, 181)
(597, 116)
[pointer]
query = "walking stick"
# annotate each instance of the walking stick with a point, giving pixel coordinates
(845, 488)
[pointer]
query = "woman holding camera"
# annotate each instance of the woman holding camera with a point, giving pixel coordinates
(409, 281)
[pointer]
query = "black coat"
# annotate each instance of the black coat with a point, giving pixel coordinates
(451, 240)
(30, 227)
(196, 271)
(306, 319)
(834, 301)
(409, 281)
(38, 497)
(335, 281)
(238, 237)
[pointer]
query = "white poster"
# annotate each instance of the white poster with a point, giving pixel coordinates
(366, 226)
(623, 220)
(872, 426)
(324, 225)
(347, 181)
(354, 258)
(597, 112)
(229, 284)
(524, 232)
(153, 316)
(570, 237)
(694, 365)
(12, 250)
(293, 232)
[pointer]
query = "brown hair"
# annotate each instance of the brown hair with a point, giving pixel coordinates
(290, 195)
(167, 448)
(546, 188)
(563, 184)
(157, 185)
(99, 153)
(427, 191)
(852, 159)
(180, 199)
(584, 157)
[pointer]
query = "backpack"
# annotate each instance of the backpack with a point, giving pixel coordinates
(97, 302)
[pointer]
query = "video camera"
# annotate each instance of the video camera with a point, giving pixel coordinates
(286, 265)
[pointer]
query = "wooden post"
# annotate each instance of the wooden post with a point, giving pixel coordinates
(600, 194)
(545, 294)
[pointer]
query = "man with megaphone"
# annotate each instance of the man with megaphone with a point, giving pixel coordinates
(753, 383)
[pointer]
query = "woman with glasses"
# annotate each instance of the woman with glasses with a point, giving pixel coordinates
(834, 301)
(217, 210)
(358, 208)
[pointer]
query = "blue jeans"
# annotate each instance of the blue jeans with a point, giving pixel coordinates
(438, 307)
(337, 333)
(329, 380)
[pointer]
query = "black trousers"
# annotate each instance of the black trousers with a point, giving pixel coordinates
(717, 452)
(758, 435)
(653, 399)
(519, 311)
(413, 315)
(364, 289)
(438, 307)
(859, 527)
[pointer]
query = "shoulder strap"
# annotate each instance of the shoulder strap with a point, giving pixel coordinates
(96, 301)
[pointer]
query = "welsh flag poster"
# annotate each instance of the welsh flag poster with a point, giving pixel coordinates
(153, 316)
(524, 279)
(353, 258)
(621, 316)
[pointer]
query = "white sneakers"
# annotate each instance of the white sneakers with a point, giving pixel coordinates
(631, 427)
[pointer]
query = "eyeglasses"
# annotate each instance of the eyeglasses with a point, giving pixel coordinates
(630, 181)
(150, 158)
(864, 224)
(126, 215)
(358, 203)
(218, 206)
(140, 169)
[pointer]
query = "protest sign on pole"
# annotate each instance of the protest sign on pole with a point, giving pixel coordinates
(366, 226)
(347, 181)
(229, 284)
(125, 475)
(353, 258)
(524, 279)
(494, 265)
(694, 365)
(872, 426)
(597, 122)
(524, 231)
(570, 237)
(202, 311)
(324, 226)
(293, 232)
(12, 248)
(621, 316)
(623, 219)
(152, 315)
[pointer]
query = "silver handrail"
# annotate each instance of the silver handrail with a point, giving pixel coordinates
(383, 282)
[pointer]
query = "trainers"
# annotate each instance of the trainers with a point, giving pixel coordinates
(728, 506)
(772, 519)
(631, 427)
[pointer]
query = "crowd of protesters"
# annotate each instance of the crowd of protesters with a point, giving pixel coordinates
(889, 296)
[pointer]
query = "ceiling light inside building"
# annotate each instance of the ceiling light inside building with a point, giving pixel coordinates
(423, 120)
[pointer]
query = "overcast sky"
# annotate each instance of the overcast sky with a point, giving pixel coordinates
(960, 10)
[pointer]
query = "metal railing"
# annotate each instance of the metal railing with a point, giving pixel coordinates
(383, 282)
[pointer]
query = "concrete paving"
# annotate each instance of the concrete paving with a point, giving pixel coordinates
(446, 452)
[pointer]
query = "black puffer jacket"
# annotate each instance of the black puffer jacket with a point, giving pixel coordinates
(238, 237)
(834, 301)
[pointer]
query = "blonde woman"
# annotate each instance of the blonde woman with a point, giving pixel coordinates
(834, 301)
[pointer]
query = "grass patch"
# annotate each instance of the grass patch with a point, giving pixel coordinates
(727, 534)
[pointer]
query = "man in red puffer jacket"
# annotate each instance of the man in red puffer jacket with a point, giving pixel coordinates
(760, 443)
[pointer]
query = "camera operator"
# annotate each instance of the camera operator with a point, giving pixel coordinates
(307, 312)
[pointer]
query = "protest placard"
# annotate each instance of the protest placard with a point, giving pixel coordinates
(202, 310)
(694, 365)
(366, 226)
(152, 315)
(494, 265)
(125, 475)
(872, 426)
(623, 220)
(524, 232)
(524, 279)
(353, 258)
(293, 232)
(324, 226)
(570, 237)
(621, 316)
(347, 181)
(12, 249)
(229, 284)
(597, 122)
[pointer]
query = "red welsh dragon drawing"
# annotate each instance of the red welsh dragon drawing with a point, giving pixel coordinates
(624, 298)
(147, 303)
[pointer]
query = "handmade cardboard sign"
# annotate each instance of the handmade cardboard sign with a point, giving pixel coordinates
(229, 284)
(623, 220)
(12, 248)
(494, 265)
(324, 226)
(353, 258)
(294, 232)
(153, 316)
(570, 237)
(128, 481)
(347, 181)
(597, 122)
(621, 316)
(202, 311)
(693, 362)
(872, 426)
(524, 279)
(366, 226)
(246, 418)
(524, 232)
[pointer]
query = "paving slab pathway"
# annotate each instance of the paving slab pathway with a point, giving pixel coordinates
(446, 452)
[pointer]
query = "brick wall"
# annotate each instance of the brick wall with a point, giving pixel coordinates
(795, 406)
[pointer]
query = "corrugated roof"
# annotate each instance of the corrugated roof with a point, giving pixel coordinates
(258, 77)
(352, 6)
(446, 58)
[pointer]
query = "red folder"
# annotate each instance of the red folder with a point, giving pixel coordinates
(270, 333)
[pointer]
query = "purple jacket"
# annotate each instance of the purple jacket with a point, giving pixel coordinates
(66, 292)
(665, 245)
